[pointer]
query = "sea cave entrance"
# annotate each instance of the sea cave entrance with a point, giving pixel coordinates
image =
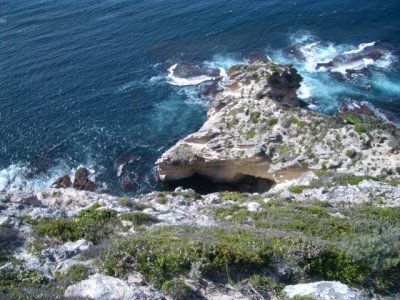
(203, 185)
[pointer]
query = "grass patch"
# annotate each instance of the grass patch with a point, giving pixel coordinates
(232, 196)
(354, 180)
(298, 189)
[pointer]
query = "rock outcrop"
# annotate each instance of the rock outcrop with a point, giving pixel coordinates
(102, 287)
(82, 181)
(254, 129)
(323, 290)
(63, 182)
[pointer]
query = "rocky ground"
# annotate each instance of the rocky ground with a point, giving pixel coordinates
(181, 245)
(316, 214)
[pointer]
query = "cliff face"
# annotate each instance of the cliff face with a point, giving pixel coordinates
(255, 128)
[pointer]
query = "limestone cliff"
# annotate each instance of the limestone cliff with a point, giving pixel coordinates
(255, 128)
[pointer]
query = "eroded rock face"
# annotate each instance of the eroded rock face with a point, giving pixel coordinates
(251, 131)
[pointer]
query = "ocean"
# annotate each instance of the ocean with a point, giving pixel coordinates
(86, 83)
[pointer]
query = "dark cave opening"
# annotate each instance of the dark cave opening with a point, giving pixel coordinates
(203, 185)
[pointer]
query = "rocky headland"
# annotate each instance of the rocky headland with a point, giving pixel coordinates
(255, 128)
(303, 206)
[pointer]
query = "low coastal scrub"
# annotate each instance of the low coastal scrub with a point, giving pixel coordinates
(26, 284)
(163, 253)
(358, 246)
(266, 286)
(91, 224)
(139, 218)
(176, 289)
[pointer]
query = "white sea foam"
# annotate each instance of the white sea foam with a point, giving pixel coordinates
(223, 61)
(157, 78)
(17, 177)
(360, 48)
(192, 96)
(174, 80)
(317, 52)
(380, 115)
(304, 92)
(127, 86)
(386, 61)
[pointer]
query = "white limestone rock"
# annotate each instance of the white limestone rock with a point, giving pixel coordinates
(323, 290)
(102, 287)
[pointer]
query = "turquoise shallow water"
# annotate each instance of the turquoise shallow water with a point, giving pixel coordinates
(84, 82)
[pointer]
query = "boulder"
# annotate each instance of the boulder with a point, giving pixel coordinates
(323, 290)
(102, 287)
(82, 181)
(62, 182)
(66, 251)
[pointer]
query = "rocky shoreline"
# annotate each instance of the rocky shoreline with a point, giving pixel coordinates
(255, 128)
(304, 206)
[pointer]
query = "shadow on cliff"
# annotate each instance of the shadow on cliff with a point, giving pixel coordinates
(203, 185)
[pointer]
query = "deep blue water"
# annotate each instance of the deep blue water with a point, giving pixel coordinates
(83, 82)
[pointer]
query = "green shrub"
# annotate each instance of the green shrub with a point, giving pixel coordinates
(139, 218)
(163, 253)
(77, 273)
(255, 117)
(284, 149)
(334, 264)
(358, 125)
(266, 286)
(161, 199)
(354, 180)
(129, 203)
(176, 289)
(298, 189)
(298, 122)
(232, 196)
(350, 153)
(273, 121)
(250, 134)
(303, 298)
(91, 224)
(124, 202)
